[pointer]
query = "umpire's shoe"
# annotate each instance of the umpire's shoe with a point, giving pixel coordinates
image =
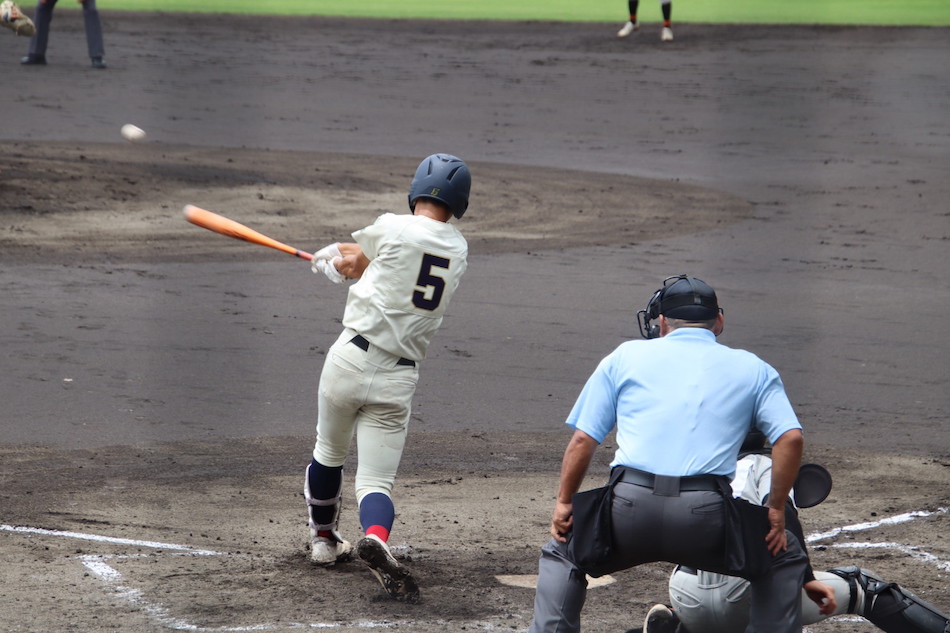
(328, 551)
(392, 575)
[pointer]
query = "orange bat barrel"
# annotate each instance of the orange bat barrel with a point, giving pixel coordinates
(226, 226)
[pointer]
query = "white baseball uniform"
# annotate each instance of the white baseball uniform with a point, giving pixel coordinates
(391, 315)
(416, 265)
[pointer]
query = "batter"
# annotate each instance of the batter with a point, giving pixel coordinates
(408, 267)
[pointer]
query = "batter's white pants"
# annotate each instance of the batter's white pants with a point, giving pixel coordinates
(367, 394)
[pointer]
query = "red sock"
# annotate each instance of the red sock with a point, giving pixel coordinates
(379, 531)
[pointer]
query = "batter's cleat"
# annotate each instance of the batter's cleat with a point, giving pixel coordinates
(660, 619)
(392, 575)
(628, 28)
(666, 35)
(327, 551)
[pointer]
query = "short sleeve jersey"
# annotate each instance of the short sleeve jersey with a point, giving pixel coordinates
(415, 267)
(682, 404)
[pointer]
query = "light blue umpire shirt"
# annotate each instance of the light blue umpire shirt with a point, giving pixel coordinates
(682, 404)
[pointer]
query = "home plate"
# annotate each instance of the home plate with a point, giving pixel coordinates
(530, 581)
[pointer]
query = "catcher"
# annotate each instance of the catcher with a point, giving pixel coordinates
(12, 17)
(705, 602)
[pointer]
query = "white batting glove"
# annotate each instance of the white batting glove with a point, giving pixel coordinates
(328, 252)
(324, 261)
(328, 268)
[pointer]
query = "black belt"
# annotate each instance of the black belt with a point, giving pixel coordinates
(363, 344)
(664, 485)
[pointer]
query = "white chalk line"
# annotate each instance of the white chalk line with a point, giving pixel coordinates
(914, 552)
(858, 527)
(161, 615)
(108, 539)
(98, 566)
(910, 550)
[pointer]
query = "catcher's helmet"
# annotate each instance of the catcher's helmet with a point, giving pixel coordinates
(681, 297)
(445, 178)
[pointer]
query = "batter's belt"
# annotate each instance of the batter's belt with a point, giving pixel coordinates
(363, 344)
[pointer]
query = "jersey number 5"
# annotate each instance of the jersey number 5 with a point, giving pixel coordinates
(432, 287)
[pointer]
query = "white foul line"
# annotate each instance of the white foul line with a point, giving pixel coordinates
(97, 565)
(857, 527)
(109, 539)
(910, 550)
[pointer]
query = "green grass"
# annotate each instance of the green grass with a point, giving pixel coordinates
(868, 12)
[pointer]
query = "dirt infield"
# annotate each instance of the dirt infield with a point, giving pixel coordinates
(158, 379)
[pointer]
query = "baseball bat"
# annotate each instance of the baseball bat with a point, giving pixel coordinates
(226, 226)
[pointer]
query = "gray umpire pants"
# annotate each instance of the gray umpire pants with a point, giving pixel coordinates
(687, 529)
(44, 16)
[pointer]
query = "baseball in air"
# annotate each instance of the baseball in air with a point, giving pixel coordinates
(133, 133)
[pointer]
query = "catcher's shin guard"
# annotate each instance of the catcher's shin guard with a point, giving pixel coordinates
(324, 514)
(890, 607)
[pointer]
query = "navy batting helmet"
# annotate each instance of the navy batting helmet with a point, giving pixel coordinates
(445, 178)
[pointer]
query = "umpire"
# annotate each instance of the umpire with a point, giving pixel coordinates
(43, 18)
(682, 404)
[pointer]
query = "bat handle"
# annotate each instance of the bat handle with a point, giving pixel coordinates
(304, 255)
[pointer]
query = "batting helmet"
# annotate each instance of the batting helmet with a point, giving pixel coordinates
(445, 178)
(681, 297)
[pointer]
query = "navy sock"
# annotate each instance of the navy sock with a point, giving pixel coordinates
(325, 483)
(377, 515)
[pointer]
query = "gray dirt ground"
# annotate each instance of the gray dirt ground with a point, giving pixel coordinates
(158, 380)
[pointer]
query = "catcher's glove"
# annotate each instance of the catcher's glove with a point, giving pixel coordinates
(13, 18)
